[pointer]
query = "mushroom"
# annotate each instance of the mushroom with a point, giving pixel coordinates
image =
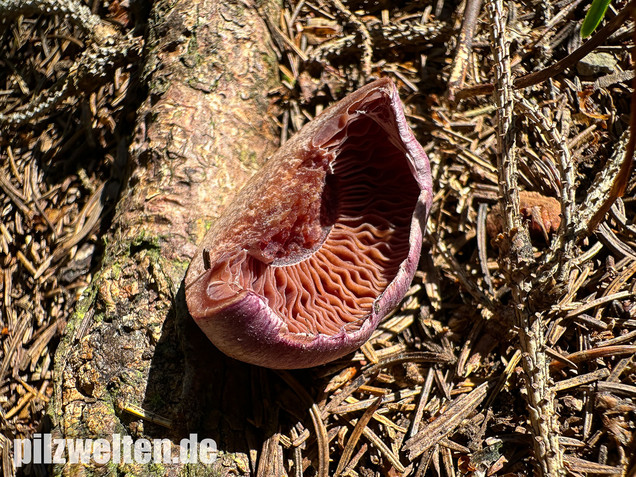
(321, 243)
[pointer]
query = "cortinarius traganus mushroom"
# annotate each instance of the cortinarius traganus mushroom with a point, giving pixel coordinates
(321, 243)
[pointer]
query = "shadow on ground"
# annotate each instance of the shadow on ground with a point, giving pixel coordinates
(202, 391)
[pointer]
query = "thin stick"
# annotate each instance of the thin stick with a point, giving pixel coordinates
(367, 45)
(516, 262)
(464, 47)
(551, 71)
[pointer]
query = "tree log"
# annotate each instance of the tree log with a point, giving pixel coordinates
(203, 130)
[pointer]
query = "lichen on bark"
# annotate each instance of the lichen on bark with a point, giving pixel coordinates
(201, 133)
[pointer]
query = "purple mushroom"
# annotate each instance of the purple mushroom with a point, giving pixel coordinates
(321, 243)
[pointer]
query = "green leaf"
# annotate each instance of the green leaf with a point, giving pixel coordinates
(594, 16)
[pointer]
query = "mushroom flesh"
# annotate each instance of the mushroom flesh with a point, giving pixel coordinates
(321, 243)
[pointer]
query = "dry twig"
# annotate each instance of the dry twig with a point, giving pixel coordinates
(515, 259)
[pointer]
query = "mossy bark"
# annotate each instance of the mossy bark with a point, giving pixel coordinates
(202, 132)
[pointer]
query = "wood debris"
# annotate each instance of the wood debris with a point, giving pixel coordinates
(443, 384)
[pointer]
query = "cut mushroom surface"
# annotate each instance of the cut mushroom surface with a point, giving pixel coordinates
(321, 243)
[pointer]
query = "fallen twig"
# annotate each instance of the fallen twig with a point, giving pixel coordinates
(553, 70)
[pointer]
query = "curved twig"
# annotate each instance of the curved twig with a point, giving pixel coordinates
(106, 50)
(553, 70)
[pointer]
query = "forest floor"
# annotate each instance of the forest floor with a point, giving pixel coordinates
(446, 384)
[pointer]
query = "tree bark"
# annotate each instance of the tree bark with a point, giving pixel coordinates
(203, 130)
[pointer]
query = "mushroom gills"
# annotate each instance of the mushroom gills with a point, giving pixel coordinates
(322, 270)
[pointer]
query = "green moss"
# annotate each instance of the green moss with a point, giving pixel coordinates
(132, 376)
(181, 266)
(84, 304)
(158, 87)
(98, 317)
(116, 270)
(199, 470)
(158, 468)
(192, 57)
(145, 240)
(147, 244)
(249, 159)
(192, 43)
(87, 300)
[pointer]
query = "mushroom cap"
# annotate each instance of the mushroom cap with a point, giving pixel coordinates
(321, 243)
